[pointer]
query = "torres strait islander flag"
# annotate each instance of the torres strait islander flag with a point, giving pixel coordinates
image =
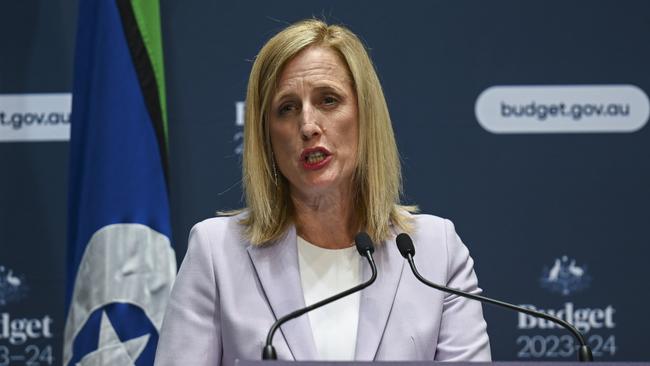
(121, 264)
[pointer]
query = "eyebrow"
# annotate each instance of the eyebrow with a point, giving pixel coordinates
(320, 88)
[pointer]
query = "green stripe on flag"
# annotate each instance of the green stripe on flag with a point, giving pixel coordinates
(147, 15)
(143, 36)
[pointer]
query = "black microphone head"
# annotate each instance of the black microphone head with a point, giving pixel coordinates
(405, 245)
(364, 243)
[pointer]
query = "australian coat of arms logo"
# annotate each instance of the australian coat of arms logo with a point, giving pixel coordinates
(12, 286)
(565, 276)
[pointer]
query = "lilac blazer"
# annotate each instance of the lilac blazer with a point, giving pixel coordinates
(229, 292)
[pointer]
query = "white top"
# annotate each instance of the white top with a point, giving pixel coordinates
(323, 273)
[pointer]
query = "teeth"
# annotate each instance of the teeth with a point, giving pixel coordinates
(315, 157)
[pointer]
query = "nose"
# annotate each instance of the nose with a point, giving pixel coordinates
(310, 125)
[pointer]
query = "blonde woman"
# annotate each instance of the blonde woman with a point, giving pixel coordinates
(320, 164)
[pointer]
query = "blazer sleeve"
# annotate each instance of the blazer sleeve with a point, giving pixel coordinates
(463, 331)
(190, 333)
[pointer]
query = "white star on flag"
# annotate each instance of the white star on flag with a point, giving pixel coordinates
(112, 351)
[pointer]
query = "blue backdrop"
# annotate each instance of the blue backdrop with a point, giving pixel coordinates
(557, 221)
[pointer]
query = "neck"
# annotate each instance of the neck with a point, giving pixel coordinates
(327, 221)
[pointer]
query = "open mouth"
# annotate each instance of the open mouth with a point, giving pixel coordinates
(315, 157)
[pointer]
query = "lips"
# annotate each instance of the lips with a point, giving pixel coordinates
(315, 158)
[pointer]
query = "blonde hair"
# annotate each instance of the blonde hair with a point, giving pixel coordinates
(377, 179)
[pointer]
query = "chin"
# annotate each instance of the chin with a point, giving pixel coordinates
(314, 181)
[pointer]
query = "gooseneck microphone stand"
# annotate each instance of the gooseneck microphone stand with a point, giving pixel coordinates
(406, 248)
(365, 248)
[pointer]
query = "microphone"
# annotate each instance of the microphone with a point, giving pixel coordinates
(406, 248)
(365, 248)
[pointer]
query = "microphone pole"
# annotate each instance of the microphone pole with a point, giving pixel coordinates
(365, 248)
(406, 248)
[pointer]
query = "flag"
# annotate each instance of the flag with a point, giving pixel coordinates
(120, 261)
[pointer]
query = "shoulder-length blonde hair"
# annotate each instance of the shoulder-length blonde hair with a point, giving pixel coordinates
(377, 179)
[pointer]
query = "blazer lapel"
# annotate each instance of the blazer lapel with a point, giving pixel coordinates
(377, 300)
(277, 270)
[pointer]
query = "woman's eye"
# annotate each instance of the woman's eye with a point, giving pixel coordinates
(286, 108)
(330, 100)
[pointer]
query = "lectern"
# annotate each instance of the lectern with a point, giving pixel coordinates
(431, 363)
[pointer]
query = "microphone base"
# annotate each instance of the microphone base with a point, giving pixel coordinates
(268, 353)
(584, 354)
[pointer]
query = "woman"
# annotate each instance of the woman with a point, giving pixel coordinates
(320, 164)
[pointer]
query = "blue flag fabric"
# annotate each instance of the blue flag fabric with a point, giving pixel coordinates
(121, 264)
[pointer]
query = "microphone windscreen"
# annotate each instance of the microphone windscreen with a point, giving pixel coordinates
(405, 245)
(364, 243)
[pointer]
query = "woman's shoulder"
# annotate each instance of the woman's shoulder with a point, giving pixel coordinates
(437, 232)
(219, 233)
(221, 222)
(427, 223)
(425, 218)
(436, 239)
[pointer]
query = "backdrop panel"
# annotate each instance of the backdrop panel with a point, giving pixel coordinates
(553, 220)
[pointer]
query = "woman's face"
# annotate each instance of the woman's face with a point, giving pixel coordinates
(313, 123)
